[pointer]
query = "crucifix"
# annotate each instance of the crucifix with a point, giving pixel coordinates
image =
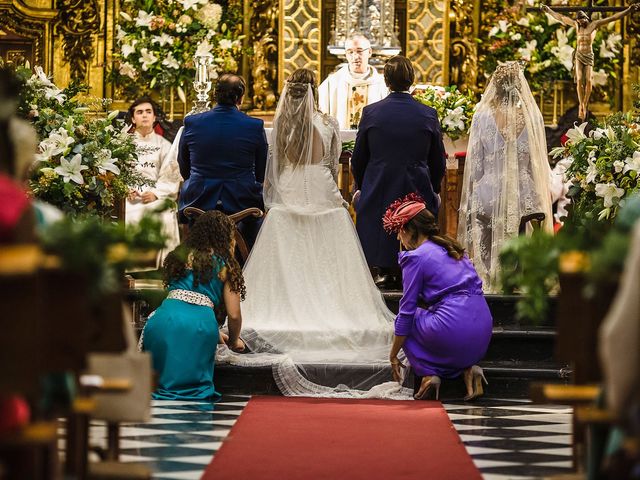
(586, 28)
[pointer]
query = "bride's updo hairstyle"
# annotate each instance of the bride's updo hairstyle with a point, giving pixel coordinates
(293, 118)
(298, 81)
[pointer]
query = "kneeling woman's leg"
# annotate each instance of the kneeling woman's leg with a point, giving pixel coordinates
(182, 339)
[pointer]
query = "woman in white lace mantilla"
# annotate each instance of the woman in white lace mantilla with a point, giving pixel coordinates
(506, 176)
(312, 309)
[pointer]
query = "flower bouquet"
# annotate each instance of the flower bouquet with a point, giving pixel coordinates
(83, 164)
(605, 165)
(454, 109)
(156, 42)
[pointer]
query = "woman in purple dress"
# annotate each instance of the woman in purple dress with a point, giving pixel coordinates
(444, 324)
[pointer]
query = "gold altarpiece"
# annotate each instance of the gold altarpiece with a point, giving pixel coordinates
(74, 39)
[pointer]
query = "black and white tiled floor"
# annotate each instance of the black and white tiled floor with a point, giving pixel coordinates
(506, 439)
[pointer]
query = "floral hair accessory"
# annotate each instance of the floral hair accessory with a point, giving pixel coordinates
(401, 211)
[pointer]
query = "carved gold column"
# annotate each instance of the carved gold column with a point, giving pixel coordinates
(263, 38)
(77, 21)
(463, 65)
(299, 37)
(428, 39)
(33, 22)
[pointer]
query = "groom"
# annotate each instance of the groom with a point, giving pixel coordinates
(398, 151)
(222, 158)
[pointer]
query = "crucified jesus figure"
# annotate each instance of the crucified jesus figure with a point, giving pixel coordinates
(583, 56)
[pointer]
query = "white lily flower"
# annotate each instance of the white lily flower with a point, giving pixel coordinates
(61, 140)
(144, 19)
(225, 44)
(105, 163)
(576, 133)
(516, 36)
(162, 40)
(609, 192)
(48, 149)
(618, 165)
(527, 51)
(502, 26)
(56, 94)
(611, 134)
(204, 49)
(127, 69)
(127, 49)
(71, 169)
(126, 16)
(597, 133)
(171, 62)
(551, 20)
(454, 119)
(42, 77)
(524, 21)
(187, 4)
(632, 163)
(592, 171)
(120, 33)
(147, 59)
(600, 77)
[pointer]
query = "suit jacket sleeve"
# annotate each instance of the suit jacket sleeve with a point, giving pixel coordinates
(261, 154)
(361, 154)
(184, 160)
(437, 158)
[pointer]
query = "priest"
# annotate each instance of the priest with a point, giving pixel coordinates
(346, 92)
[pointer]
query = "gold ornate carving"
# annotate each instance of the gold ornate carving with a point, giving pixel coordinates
(30, 24)
(264, 70)
(299, 37)
(427, 39)
(77, 21)
(463, 47)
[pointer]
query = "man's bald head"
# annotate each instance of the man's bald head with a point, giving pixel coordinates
(358, 51)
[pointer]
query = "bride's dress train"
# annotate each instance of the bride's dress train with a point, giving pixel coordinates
(312, 310)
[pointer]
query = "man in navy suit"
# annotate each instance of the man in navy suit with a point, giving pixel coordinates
(398, 151)
(222, 157)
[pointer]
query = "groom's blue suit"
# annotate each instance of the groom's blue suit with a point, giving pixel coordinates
(398, 150)
(222, 158)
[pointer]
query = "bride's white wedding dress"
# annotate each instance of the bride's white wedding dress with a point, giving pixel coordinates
(312, 309)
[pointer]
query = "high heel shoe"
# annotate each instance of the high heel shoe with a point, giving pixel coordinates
(475, 382)
(427, 383)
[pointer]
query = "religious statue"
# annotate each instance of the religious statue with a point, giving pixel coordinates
(583, 56)
(345, 93)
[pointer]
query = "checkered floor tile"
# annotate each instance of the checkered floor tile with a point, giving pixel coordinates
(506, 439)
(514, 440)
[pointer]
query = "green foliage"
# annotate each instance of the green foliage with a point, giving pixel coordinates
(454, 109)
(101, 249)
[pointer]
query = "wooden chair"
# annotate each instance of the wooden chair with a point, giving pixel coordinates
(192, 213)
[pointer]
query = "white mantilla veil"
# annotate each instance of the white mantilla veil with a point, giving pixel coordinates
(506, 176)
(312, 312)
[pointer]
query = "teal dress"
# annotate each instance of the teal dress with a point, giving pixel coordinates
(182, 338)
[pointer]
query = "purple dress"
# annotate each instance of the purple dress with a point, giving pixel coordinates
(454, 331)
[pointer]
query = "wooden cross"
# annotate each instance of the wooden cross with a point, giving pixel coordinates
(588, 9)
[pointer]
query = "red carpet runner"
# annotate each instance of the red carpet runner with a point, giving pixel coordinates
(279, 438)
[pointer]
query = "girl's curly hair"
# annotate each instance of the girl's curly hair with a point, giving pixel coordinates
(206, 250)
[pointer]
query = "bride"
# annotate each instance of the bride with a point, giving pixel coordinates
(506, 177)
(312, 309)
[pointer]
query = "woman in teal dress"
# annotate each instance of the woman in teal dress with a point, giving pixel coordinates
(182, 334)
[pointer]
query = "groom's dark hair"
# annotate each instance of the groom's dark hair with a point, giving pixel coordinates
(399, 74)
(230, 89)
